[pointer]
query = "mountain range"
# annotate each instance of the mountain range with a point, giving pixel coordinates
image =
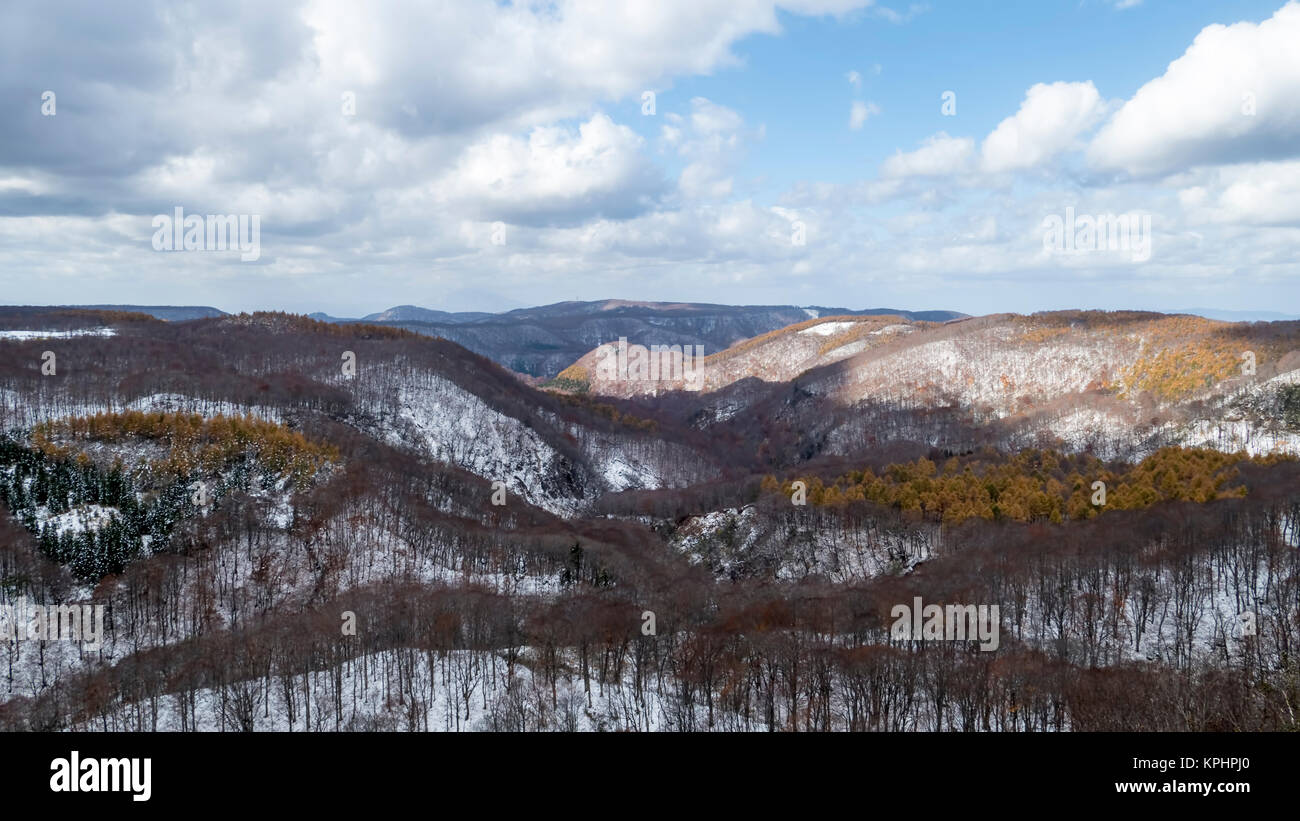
(612, 550)
(541, 341)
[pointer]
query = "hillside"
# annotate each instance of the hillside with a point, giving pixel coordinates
(1120, 384)
(776, 356)
(407, 390)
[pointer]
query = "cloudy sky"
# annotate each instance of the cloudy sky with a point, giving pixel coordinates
(472, 155)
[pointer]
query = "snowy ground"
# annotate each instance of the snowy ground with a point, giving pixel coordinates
(456, 691)
(57, 334)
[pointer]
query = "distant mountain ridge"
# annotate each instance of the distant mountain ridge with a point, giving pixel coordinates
(414, 313)
(541, 341)
(169, 313)
(1239, 316)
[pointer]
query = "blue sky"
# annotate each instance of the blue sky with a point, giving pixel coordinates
(497, 155)
(987, 53)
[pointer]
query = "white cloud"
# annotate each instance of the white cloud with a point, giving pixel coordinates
(893, 16)
(518, 64)
(710, 139)
(1196, 112)
(710, 119)
(859, 112)
(1049, 121)
(1251, 193)
(940, 154)
(553, 175)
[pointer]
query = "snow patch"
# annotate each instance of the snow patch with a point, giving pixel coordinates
(57, 334)
(828, 328)
(79, 519)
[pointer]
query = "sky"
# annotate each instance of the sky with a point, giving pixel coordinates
(473, 155)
